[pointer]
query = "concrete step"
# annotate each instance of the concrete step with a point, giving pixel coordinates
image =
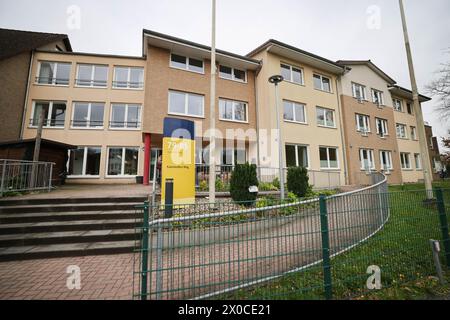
(50, 238)
(68, 207)
(66, 250)
(40, 201)
(11, 218)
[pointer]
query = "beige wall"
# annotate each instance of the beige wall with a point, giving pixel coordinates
(88, 137)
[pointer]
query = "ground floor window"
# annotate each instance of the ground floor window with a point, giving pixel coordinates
(123, 161)
(84, 161)
(405, 161)
(386, 160)
(233, 156)
(366, 159)
(296, 156)
(328, 158)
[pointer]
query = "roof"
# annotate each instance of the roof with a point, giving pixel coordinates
(406, 93)
(369, 64)
(14, 42)
(299, 55)
(44, 142)
(173, 43)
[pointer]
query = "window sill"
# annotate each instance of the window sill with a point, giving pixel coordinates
(407, 169)
(235, 121)
(87, 128)
(52, 85)
(185, 115)
(326, 127)
(330, 92)
(296, 122)
(132, 89)
(238, 81)
(89, 87)
(83, 177)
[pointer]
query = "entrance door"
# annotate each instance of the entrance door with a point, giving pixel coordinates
(156, 152)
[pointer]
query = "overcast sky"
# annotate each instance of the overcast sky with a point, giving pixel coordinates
(345, 29)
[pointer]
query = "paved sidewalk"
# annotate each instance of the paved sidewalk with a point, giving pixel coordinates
(102, 277)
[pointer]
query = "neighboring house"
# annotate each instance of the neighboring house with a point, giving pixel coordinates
(433, 150)
(17, 49)
(309, 112)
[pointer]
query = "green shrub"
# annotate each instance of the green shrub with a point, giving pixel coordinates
(267, 186)
(203, 185)
(276, 183)
(298, 181)
(243, 177)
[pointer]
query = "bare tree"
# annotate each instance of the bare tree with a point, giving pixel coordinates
(440, 88)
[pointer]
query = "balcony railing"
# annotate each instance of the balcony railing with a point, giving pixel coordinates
(127, 85)
(86, 124)
(48, 123)
(125, 124)
(52, 81)
(91, 83)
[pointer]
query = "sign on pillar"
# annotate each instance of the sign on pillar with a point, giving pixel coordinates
(178, 160)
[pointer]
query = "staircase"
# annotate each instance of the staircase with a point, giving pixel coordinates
(67, 227)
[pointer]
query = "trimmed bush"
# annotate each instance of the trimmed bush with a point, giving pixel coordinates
(243, 177)
(298, 181)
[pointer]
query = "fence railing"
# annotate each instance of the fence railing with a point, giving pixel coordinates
(268, 175)
(314, 248)
(21, 176)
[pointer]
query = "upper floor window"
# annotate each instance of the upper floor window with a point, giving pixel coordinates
(382, 127)
(322, 83)
(87, 115)
(386, 160)
(359, 91)
(89, 75)
(186, 104)
(366, 159)
(328, 158)
(232, 110)
(232, 74)
(294, 112)
(128, 77)
(362, 123)
(397, 104)
(409, 108)
(186, 63)
(296, 156)
(401, 131)
(54, 114)
(377, 97)
(55, 73)
(405, 160)
(125, 116)
(325, 117)
(292, 74)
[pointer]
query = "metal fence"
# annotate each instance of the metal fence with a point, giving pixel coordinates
(22, 176)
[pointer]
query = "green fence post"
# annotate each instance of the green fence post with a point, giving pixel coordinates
(325, 248)
(444, 224)
(144, 248)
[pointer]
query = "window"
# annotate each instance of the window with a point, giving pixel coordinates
(294, 112)
(362, 123)
(366, 159)
(404, 160)
(401, 131)
(128, 78)
(292, 74)
(386, 160)
(413, 133)
(187, 104)
(359, 91)
(87, 115)
(232, 110)
(325, 117)
(122, 161)
(84, 161)
(431, 143)
(328, 158)
(233, 156)
(296, 156)
(89, 75)
(409, 108)
(377, 97)
(397, 105)
(232, 74)
(55, 73)
(125, 116)
(322, 83)
(382, 127)
(54, 114)
(418, 161)
(186, 63)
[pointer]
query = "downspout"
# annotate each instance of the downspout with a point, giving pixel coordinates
(258, 161)
(25, 107)
(344, 147)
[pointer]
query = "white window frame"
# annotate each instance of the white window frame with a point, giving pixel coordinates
(84, 175)
(388, 155)
(296, 154)
(233, 78)
(291, 80)
(405, 156)
(92, 80)
(381, 96)
(122, 169)
(400, 105)
(412, 108)
(187, 63)
(366, 123)
(233, 157)
(325, 117)
(418, 157)
(363, 91)
(370, 159)
(50, 109)
(128, 78)
(186, 104)
(384, 125)
(88, 127)
(321, 82)
(233, 111)
(328, 158)
(56, 63)
(400, 125)
(292, 104)
(126, 116)
(413, 131)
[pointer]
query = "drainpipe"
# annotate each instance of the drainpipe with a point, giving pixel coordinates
(25, 107)
(344, 147)
(258, 161)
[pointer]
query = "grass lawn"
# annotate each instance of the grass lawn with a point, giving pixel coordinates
(401, 250)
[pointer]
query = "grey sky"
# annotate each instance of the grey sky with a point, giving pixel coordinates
(333, 29)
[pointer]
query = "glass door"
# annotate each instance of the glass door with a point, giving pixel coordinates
(156, 152)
